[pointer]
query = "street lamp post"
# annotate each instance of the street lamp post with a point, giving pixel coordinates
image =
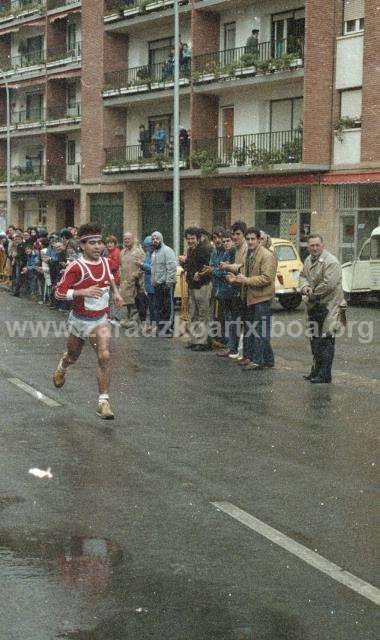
(176, 179)
(9, 200)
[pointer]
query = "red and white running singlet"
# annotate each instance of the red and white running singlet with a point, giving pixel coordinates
(81, 275)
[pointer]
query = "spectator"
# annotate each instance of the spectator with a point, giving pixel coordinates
(258, 289)
(146, 266)
(3, 255)
(198, 278)
(31, 270)
(184, 144)
(321, 287)
(113, 255)
(252, 44)
(186, 60)
(45, 271)
(238, 229)
(164, 275)
(218, 279)
(131, 278)
(159, 138)
(168, 68)
(18, 258)
(230, 300)
(144, 141)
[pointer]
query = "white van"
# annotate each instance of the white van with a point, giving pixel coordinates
(361, 277)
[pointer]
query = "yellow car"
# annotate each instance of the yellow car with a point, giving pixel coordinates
(288, 273)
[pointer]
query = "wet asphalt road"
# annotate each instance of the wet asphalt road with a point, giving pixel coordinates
(124, 544)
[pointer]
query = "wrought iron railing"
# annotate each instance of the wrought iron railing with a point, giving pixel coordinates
(266, 56)
(56, 4)
(64, 174)
(64, 112)
(15, 7)
(119, 6)
(144, 154)
(27, 172)
(161, 73)
(64, 52)
(255, 149)
(27, 116)
(28, 59)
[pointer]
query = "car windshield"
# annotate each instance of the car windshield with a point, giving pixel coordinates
(285, 252)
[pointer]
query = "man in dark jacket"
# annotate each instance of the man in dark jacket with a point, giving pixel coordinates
(198, 278)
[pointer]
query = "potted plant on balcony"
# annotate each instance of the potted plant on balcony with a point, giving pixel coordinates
(345, 123)
(204, 161)
(263, 66)
(240, 155)
(247, 64)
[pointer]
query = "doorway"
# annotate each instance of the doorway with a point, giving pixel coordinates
(228, 116)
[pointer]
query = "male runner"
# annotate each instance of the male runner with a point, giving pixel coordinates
(87, 282)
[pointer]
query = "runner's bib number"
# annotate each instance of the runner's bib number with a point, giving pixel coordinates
(98, 304)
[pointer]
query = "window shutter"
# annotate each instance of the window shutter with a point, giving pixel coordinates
(353, 9)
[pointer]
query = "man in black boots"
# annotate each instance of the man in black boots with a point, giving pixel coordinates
(321, 288)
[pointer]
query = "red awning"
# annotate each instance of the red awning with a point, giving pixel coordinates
(59, 17)
(296, 178)
(351, 178)
(63, 76)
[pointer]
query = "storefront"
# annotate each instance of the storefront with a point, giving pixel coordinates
(284, 212)
(358, 210)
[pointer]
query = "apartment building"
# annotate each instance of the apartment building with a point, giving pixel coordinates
(281, 131)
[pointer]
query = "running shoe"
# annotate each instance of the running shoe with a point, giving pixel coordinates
(59, 378)
(104, 410)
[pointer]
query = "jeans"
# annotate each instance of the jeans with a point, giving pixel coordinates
(257, 333)
(164, 309)
(152, 307)
(234, 311)
(32, 283)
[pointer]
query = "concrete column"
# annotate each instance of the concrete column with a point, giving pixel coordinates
(132, 217)
(17, 213)
(198, 206)
(83, 215)
(324, 219)
(242, 204)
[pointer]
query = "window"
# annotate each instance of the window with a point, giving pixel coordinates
(71, 95)
(285, 115)
(159, 50)
(71, 36)
(71, 148)
(365, 252)
(284, 253)
(230, 35)
(353, 16)
(351, 104)
(288, 32)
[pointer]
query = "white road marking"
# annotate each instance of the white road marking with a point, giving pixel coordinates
(34, 393)
(310, 557)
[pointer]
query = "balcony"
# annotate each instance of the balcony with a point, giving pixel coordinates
(63, 55)
(255, 151)
(19, 9)
(52, 5)
(143, 79)
(24, 175)
(24, 119)
(25, 63)
(135, 158)
(64, 174)
(64, 115)
(123, 9)
(232, 64)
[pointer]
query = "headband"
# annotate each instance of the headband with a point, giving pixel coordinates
(89, 237)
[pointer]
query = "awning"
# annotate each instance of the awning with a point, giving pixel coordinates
(351, 178)
(61, 16)
(37, 23)
(3, 32)
(63, 76)
(273, 180)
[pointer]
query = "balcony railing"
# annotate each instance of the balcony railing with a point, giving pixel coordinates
(136, 7)
(26, 173)
(27, 116)
(25, 60)
(57, 4)
(64, 112)
(64, 174)
(256, 150)
(142, 157)
(64, 53)
(146, 77)
(16, 8)
(267, 57)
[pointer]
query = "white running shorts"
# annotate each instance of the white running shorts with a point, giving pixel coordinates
(84, 328)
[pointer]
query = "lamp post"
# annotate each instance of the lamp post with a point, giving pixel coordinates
(176, 179)
(9, 201)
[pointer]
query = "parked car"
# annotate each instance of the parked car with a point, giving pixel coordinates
(361, 277)
(287, 285)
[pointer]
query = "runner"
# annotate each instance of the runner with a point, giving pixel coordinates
(87, 282)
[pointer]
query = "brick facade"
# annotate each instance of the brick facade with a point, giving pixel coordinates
(321, 31)
(371, 84)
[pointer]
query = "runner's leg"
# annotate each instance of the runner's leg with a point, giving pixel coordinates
(100, 341)
(73, 350)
